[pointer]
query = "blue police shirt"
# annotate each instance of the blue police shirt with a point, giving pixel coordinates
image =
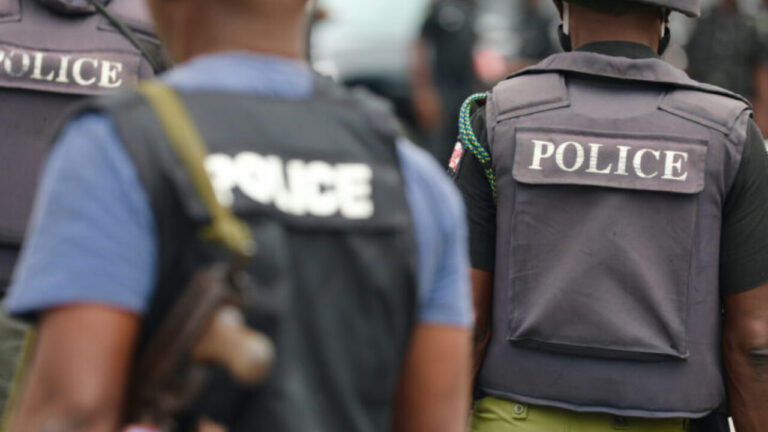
(92, 234)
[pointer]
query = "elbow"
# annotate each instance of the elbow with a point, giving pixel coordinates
(92, 410)
(482, 333)
(748, 339)
(76, 411)
(758, 357)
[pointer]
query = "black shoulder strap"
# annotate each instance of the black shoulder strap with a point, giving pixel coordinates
(158, 65)
(378, 111)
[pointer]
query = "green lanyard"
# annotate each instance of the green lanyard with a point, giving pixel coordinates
(467, 135)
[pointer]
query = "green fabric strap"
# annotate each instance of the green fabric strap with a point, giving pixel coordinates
(467, 135)
(18, 340)
(225, 228)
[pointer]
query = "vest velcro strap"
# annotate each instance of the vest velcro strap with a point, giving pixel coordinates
(155, 62)
(225, 228)
(530, 94)
(708, 109)
(9, 8)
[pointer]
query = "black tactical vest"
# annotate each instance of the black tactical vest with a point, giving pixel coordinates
(611, 178)
(50, 56)
(318, 182)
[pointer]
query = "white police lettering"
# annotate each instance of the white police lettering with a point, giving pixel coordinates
(15, 63)
(110, 74)
(541, 150)
(593, 161)
(646, 163)
(296, 187)
(85, 71)
(77, 71)
(621, 168)
(560, 156)
(674, 164)
(67, 72)
(606, 159)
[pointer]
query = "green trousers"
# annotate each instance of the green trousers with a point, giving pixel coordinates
(16, 339)
(496, 415)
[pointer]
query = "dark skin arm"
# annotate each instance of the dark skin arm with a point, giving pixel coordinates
(79, 374)
(434, 387)
(424, 95)
(482, 294)
(745, 341)
(760, 103)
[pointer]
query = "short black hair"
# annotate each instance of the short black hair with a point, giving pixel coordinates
(613, 7)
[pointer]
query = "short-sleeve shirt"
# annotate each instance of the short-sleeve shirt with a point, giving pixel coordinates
(93, 237)
(744, 246)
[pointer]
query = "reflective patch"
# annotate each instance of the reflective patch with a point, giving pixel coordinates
(86, 73)
(622, 161)
(458, 154)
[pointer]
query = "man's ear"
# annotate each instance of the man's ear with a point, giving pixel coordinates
(559, 6)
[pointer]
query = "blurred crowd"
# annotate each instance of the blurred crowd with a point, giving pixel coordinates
(432, 53)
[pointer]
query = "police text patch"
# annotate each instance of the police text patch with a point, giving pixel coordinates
(295, 187)
(640, 162)
(88, 73)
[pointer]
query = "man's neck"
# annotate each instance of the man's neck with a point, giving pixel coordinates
(280, 39)
(589, 26)
(728, 8)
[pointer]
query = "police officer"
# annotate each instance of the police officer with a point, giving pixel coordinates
(52, 53)
(617, 207)
(360, 267)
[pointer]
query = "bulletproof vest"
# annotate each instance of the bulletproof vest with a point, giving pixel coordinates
(49, 57)
(318, 182)
(611, 177)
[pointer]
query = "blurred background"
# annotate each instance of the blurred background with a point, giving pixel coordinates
(426, 56)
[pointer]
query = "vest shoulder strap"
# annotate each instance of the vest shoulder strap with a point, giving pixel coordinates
(530, 94)
(378, 111)
(618, 68)
(715, 111)
(155, 61)
(137, 124)
(190, 149)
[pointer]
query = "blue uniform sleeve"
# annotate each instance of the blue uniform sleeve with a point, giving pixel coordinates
(92, 234)
(441, 236)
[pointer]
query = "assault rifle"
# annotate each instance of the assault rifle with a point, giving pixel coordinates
(206, 325)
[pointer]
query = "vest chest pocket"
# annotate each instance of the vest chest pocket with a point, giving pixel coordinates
(603, 242)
